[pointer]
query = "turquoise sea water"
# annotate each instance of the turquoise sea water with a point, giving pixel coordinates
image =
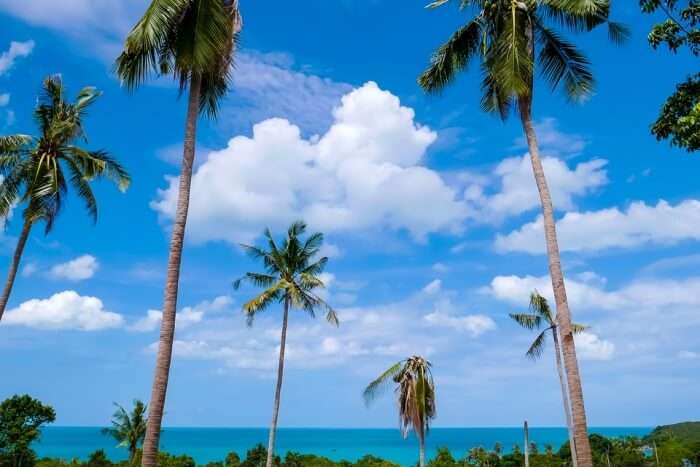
(212, 444)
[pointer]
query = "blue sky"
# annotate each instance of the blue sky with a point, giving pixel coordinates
(428, 205)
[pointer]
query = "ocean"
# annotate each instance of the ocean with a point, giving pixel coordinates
(212, 444)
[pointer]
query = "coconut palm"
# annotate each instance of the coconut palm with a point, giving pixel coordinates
(510, 37)
(194, 41)
(37, 171)
(415, 391)
(291, 278)
(129, 428)
(542, 315)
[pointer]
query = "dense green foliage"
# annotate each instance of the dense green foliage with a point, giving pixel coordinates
(617, 452)
(680, 27)
(679, 119)
(686, 432)
(20, 420)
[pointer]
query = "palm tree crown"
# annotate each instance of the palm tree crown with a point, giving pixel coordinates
(37, 171)
(415, 391)
(541, 315)
(129, 428)
(185, 38)
(291, 274)
(510, 36)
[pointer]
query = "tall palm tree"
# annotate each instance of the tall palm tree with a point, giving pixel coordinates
(542, 315)
(510, 37)
(415, 391)
(37, 171)
(129, 428)
(291, 278)
(193, 40)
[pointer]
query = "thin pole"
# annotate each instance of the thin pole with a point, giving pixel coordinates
(656, 454)
(527, 447)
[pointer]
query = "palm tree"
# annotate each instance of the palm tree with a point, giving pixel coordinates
(415, 391)
(291, 278)
(542, 315)
(37, 171)
(129, 428)
(194, 40)
(509, 37)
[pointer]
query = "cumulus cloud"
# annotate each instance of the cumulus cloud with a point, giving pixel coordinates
(475, 325)
(640, 224)
(78, 269)
(391, 330)
(16, 50)
(64, 310)
(642, 293)
(591, 347)
(517, 191)
(185, 317)
(647, 317)
(362, 173)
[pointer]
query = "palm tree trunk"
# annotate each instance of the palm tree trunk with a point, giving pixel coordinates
(421, 451)
(14, 265)
(278, 389)
(578, 411)
(167, 327)
(564, 396)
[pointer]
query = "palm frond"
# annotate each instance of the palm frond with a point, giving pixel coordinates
(99, 163)
(509, 58)
(494, 99)
(539, 305)
(578, 328)
(11, 144)
(145, 50)
(374, 388)
(262, 301)
(561, 61)
(80, 183)
(10, 188)
(527, 321)
(537, 346)
(256, 279)
(452, 57)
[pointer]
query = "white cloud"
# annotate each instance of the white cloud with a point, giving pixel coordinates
(639, 294)
(644, 321)
(433, 287)
(638, 225)
(552, 141)
(440, 268)
(185, 317)
(475, 325)
(391, 331)
(64, 310)
(591, 347)
(4, 99)
(78, 269)
(16, 50)
(363, 173)
(518, 193)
